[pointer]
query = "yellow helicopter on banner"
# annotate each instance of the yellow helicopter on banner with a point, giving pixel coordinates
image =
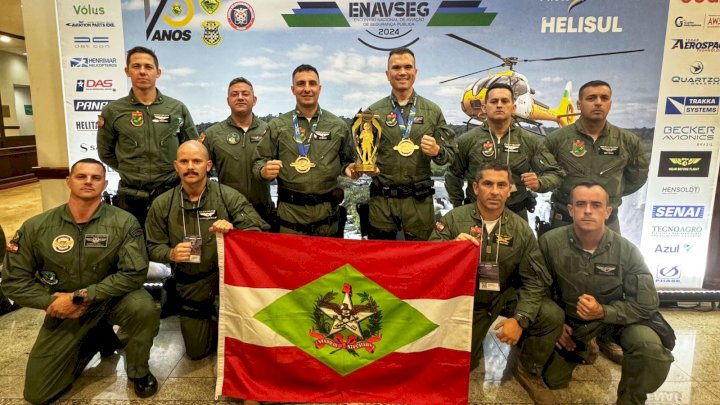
(529, 110)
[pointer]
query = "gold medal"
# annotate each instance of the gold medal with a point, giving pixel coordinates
(406, 147)
(302, 164)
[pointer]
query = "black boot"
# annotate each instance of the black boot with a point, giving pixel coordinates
(145, 386)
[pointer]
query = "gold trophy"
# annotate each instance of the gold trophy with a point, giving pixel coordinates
(366, 132)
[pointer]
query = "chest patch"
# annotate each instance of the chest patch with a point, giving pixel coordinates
(165, 118)
(609, 150)
(207, 215)
(603, 269)
(505, 240)
(256, 138)
(96, 240)
(63, 243)
(511, 147)
(233, 138)
(419, 119)
(322, 136)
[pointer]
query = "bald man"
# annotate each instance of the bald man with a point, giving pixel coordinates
(181, 228)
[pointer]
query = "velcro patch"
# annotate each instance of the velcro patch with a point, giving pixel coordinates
(604, 269)
(505, 240)
(439, 226)
(137, 232)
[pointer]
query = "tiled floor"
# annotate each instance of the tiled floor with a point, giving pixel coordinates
(694, 377)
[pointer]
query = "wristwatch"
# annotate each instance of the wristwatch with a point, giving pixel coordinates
(522, 320)
(80, 296)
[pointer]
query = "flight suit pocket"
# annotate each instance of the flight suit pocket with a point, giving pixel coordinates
(646, 294)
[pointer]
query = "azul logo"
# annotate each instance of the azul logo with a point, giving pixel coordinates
(90, 85)
(587, 24)
(696, 45)
(91, 42)
(179, 17)
(681, 22)
(692, 105)
(684, 164)
(90, 105)
(680, 190)
(678, 211)
(91, 24)
(660, 248)
(93, 62)
(86, 126)
(88, 10)
(681, 231)
(668, 273)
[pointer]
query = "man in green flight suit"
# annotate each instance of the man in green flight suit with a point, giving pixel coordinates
(414, 133)
(306, 149)
(83, 263)
(594, 149)
(533, 167)
(181, 228)
(139, 134)
(512, 278)
(603, 284)
(232, 143)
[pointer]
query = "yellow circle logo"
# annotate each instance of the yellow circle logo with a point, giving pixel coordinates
(63, 243)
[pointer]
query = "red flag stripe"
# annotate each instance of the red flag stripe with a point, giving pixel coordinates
(385, 262)
(249, 373)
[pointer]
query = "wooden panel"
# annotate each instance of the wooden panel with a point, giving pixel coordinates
(44, 173)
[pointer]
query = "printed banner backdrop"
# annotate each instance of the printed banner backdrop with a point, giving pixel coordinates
(664, 83)
(354, 321)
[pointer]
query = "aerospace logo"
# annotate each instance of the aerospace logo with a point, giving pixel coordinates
(177, 16)
(684, 164)
(696, 105)
(695, 45)
(241, 16)
(388, 24)
(90, 105)
(678, 211)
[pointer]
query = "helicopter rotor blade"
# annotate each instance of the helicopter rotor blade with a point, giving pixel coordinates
(470, 74)
(467, 41)
(581, 56)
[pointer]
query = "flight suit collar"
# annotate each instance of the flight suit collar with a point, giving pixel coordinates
(158, 98)
(67, 216)
(503, 218)
(604, 245)
(254, 124)
(299, 114)
(581, 129)
(189, 205)
(394, 101)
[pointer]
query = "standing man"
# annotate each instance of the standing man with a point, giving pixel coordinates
(84, 264)
(306, 149)
(232, 143)
(594, 149)
(497, 140)
(139, 134)
(604, 286)
(414, 133)
(512, 278)
(181, 228)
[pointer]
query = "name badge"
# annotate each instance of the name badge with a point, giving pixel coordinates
(511, 147)
(256, 138)
(322, 136)
(609, 150)
(161, 118)
(488, 277)
(96, 240)
(207, 215)
(603, 269)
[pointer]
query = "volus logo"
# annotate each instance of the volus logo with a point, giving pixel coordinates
(177, 15)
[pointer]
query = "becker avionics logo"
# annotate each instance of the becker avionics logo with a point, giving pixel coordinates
(696, 105)
(684, 164)
(695, 45)
(678, 211)
(668, 273)
(389, 20)
(90, 105)
(176, 16)
(698, 134)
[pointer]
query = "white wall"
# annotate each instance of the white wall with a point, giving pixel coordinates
(13, 71)
(23, 98)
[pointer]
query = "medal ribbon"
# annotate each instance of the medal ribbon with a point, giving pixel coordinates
(303, 149)
(401, 120)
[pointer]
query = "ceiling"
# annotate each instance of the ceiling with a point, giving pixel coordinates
(11, 22)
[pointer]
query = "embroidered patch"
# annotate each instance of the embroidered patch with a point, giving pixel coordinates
(137, 232)
(578, 148)
(164, 118)
(476, 231)
(603, 269)
(137, 119)
(100, 121)
(488, 149)
(322, 136)
(505, 240)
(419, 119)
(47, 277)
(439, 226)
(609, 150)
(511, 147)
(233, 138)
(207, 214)
(391, 120)
(63, 243)
(95, 240)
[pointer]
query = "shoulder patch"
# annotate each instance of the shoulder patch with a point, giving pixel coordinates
(12, 246)
(439, 226)
(202, 137)
(137, 232)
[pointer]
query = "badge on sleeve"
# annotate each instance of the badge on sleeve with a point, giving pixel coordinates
(136, 233)
(100, 121)
(63, 243)
(439, 226)
(47, 277)
(14, 246)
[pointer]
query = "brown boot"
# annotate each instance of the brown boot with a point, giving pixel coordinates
(590, 355)
(534, 385)
(610, 349)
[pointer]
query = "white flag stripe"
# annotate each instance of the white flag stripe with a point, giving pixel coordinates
(240, 304)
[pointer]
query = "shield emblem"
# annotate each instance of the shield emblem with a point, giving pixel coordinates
(578, 148)
(210, 6)
(211, 36)
(137, 118)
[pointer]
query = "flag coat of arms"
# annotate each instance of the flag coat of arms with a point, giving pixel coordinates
(308, 319)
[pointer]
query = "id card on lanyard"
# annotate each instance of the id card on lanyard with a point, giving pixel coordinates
(489, 272)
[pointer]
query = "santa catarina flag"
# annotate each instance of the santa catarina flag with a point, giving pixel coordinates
(309, 319)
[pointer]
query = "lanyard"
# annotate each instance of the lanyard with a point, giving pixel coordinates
(197, 212)
(401, 120)
(303, 149)
(498, 233)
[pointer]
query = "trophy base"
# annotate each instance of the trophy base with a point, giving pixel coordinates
(365, 167)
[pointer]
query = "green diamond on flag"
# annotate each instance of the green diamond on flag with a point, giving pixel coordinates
(345, 320)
